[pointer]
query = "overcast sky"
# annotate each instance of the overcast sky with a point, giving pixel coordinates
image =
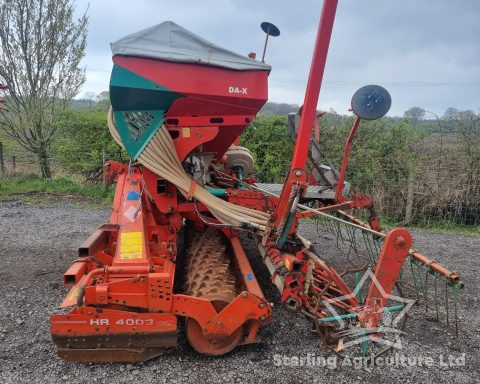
(426, 53)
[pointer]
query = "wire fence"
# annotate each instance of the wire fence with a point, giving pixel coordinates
(443, 186)
(16, 161)
(436, 190)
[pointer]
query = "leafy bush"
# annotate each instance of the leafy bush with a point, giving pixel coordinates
(82, 143)
(271, 146)
(383, 154)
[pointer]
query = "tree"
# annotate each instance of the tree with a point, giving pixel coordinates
(41, 46)
(90, 97)
(103, 100)
(450, 113)
(449, 116)
(416, 114)
(271, 108)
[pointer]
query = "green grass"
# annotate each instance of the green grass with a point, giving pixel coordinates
(432, 225)
(34, 185)
(448, 227)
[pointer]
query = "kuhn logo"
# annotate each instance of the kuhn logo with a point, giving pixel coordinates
(243, 91)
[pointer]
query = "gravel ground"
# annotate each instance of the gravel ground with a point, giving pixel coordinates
(38, 242)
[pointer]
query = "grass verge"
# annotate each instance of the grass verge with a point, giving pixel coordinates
(31, 185)
(447, 227)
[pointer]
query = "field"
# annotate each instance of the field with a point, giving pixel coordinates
(38, 241)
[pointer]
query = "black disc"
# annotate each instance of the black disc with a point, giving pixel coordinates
(270, 29)
(371, 102)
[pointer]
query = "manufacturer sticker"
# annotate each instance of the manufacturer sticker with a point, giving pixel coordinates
(131, 245)
(185, 132)
(74, 293)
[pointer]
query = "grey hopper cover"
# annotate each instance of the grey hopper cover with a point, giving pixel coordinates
(171, 42)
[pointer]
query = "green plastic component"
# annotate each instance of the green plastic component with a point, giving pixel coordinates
(131, 92)
(217, 192)
(364, 341)
(136, 129)
(122, 77)
(139, 107)
(357, 286)
(286, 230)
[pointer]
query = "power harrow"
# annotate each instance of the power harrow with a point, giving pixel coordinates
(172, 248)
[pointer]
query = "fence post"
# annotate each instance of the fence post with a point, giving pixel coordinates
(103, 169)
(2, 164)
(409, 205)
(14, 163)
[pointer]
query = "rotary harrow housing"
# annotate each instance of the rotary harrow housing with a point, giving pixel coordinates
(172, 247)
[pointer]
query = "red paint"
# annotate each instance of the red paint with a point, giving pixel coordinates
(346, 154)
(214, 96)
(299, 160)
(207, 89)
(314, 84)
(394, 251)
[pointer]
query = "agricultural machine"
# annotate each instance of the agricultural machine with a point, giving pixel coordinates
(172, 250)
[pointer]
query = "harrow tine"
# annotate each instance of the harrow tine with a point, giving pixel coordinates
(436, 295)
(455, 294)
(352, 240)
(426, 292)
(370, 247)
(425, 287)
(338, 232)
(347, 241)
(446, 301)
(359, 293)
(414, 279)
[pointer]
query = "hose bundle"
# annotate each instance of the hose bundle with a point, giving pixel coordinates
(161, 157)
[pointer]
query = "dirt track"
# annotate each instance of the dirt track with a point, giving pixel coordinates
(39, 241)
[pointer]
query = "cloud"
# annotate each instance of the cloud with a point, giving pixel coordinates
(426, 53)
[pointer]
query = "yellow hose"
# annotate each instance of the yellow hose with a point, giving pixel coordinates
(161, 157)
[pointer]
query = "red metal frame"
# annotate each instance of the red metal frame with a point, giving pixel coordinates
(390, 262)
(297, 174)
(346, 155)
(391, 259)
(314, 84)
(128, 266)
